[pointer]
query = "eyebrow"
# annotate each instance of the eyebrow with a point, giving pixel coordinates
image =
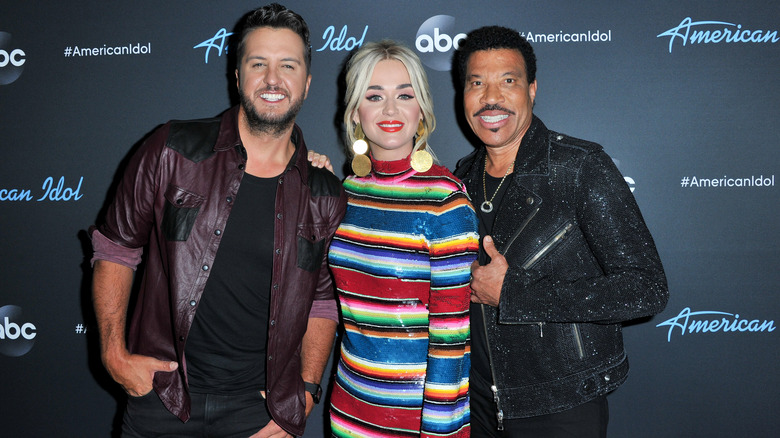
(379, 87)
(508, 73)
(263, 58)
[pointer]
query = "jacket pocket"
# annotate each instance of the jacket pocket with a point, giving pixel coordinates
(311, 246)
(181, 210)
(548, 246)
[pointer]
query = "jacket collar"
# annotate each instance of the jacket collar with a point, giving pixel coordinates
(300, 159)
(228, 131)
(533, 155)
(229, 138)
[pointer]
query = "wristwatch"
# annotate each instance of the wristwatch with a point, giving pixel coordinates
(314, 389)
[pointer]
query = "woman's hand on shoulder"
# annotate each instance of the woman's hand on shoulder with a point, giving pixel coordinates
(320, 160)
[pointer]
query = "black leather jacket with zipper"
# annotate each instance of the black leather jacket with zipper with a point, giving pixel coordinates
(581, 261)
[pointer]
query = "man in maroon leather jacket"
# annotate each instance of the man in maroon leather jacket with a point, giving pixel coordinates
(175, 199)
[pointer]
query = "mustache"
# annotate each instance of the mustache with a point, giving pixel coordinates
(271, 89)
(493, 107)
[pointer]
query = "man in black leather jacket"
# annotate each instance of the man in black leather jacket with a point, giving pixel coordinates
(566, 257)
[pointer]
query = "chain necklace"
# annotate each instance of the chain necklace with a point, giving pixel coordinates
(487, 206)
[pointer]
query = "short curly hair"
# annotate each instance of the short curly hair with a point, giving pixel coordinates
(491, 38)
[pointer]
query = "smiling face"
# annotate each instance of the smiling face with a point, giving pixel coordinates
(498, 100)
(272, 79)
(389, 112)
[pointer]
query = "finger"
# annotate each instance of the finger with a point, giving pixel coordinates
(316, 160)
(164, 365)
(326, 162)
(476, 271)
(138, 392)
(490, 247)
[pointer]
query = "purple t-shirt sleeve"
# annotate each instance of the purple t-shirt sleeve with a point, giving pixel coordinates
(105, 249)
(324, 309)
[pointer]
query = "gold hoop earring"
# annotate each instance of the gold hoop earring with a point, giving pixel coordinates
(421, 160)
(361, 164)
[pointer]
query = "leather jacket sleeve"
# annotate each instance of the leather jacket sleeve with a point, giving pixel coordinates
(130, 218)
(324, 305)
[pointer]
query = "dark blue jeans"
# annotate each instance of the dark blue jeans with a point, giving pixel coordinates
(211, 416)
(585, 421)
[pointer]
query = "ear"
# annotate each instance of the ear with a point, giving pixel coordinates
(306, 92)
(532, 91)
(355, 118)
(238, 82)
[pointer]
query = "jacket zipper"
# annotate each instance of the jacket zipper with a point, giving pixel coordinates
(552, 243)
(546, 248)
(575, 328)
(493, 387)
(519, 230)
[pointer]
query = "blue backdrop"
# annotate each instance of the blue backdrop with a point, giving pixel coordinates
(682, 94)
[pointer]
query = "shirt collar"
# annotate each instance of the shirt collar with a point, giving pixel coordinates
(229, 138)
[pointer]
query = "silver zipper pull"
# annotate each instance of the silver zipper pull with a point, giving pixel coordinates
(499, 411)
(495, 393)
(541, 329)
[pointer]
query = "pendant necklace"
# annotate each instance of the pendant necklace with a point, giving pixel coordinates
(487, 206)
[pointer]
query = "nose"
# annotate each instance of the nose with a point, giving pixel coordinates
(271, 77)
(390, 107)
(492, 94)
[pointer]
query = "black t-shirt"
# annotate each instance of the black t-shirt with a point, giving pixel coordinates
(480, 360)
(226, 349)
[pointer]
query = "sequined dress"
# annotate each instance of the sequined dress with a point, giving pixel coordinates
(401, 262)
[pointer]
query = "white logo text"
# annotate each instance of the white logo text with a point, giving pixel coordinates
(719, 31)
(717, 322)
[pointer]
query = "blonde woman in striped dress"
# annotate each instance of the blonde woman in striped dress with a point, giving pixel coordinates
(401, 262)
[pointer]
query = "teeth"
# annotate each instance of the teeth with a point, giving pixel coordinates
(494, 119)
(272, 97)
(394, 125)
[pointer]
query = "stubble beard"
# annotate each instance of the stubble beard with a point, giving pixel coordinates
(267, 123)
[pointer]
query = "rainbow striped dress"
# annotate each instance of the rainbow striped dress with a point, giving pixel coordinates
(401, 263)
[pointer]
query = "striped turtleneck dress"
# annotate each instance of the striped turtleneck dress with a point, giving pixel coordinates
(401, 261)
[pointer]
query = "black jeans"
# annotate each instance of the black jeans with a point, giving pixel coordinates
(585, 421)
(211, 416)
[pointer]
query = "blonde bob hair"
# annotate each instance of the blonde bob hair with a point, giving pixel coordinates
(360, 68)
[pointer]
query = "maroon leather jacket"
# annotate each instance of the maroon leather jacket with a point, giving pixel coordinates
(175, 199)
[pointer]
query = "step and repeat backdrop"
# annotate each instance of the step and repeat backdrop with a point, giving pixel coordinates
(682, 94)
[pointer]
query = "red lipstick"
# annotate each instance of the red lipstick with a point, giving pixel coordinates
(390, 125)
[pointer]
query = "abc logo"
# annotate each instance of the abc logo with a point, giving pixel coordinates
(630, 182)
(12, 60)
(436, 40)
(16, 337)
(15, 58)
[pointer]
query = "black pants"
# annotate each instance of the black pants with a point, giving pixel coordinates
(211, 416)
(585, 421)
